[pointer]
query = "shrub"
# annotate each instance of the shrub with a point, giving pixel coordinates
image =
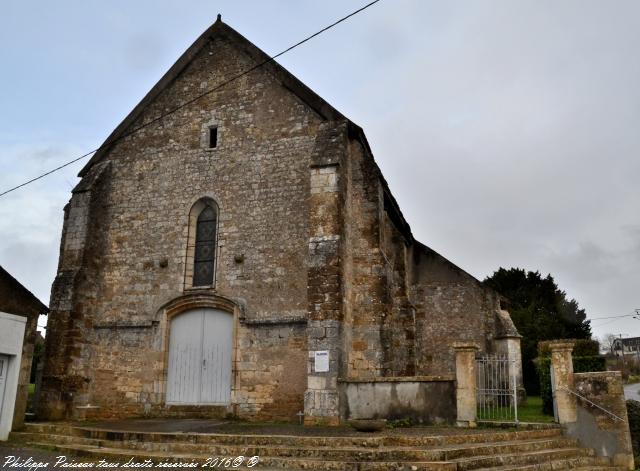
(580, 365)
(581, 348)
(586, 348)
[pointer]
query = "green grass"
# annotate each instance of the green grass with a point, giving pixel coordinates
(529, 412)
(532, 411)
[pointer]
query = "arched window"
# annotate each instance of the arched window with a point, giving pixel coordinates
(205, 247)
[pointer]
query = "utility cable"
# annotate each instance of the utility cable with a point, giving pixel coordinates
(108, 143)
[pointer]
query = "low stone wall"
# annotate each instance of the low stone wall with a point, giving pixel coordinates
(422, 399)
(591, 407)
(594, 428)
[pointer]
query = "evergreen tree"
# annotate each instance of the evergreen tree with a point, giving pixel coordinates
(540, 311)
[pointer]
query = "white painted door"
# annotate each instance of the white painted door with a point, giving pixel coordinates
(200, 347)
(216, 357)
(4, 366)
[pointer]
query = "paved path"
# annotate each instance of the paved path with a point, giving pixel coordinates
(632, 391)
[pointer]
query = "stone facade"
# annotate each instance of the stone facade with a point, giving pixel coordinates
(312, 253)
(16, 299)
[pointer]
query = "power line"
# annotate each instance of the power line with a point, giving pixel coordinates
(635, 315)
(607, 322)
(612, 317)
(192, 100)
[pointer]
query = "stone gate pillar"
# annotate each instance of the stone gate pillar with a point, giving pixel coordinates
(466, 386)
(564, 403)
(509, 346)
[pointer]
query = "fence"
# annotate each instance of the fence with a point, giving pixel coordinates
(496, 392)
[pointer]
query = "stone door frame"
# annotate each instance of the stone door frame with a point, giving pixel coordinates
(190, 302)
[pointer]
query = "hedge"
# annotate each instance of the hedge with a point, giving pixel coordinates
(581, 348)
(580, 365)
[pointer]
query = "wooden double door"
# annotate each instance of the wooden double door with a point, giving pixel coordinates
(200, 357)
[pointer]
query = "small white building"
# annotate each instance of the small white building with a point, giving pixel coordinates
(627, 346)
(12, 329)
(19, 312)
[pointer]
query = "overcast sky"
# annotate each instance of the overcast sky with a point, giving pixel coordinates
(509, 131)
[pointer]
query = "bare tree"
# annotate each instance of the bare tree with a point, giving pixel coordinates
(608, 342)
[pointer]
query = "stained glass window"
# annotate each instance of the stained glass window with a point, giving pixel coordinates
(205, 254)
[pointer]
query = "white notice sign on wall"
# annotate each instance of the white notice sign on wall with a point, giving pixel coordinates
(321, 361)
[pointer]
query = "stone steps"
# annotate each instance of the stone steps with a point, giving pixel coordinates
(122, 455)
(526, 450)
(373, 441)
(533, 457)
(578, 464)
(346, 453)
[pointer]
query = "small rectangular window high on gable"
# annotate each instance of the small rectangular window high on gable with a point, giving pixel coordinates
(213, 137)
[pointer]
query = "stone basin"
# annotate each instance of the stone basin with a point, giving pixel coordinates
(368, 425)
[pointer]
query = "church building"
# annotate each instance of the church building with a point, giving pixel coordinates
(240, 254)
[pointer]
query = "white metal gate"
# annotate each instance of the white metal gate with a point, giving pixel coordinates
(200, 349)
(496, 393)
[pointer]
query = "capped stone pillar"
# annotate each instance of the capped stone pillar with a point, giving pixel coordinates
(466, 386)
(564, 403)
(507, 343)
(509, 346)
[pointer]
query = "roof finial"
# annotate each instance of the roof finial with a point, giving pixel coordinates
(219, 18)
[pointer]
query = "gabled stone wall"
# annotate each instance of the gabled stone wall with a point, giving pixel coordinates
(125, 244)
(312, 253)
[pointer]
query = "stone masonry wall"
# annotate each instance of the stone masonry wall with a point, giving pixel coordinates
(405, 305)
(365, 295)
(65, 357)
(451, 306)
(325, 279)
(398, 333)
(111, 286)
(312, 255)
